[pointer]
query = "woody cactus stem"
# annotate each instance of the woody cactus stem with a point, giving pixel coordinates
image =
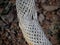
(28, 23)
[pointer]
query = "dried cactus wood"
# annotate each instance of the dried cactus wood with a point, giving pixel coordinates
(28, 23)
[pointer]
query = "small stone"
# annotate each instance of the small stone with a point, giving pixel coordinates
(50, 8)
(43, 1)
(41, 17)
(6, 34)
(9, 37)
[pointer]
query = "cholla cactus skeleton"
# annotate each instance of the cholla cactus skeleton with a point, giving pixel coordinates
(28, 23)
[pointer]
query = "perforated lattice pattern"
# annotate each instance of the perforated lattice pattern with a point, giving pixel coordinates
(29, 24)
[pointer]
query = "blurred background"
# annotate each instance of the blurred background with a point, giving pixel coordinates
(10, 32)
